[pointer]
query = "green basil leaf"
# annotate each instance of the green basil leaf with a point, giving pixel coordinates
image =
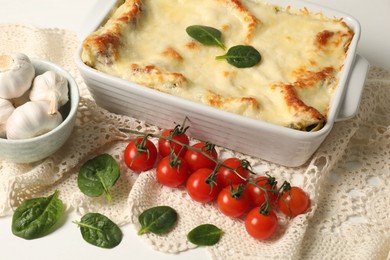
(241, 56)
(34, 218)
(206, 35)
(98, 175)
(100, 231)
(158, 220)
(205, 235)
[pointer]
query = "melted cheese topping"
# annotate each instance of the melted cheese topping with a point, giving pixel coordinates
(302, 54)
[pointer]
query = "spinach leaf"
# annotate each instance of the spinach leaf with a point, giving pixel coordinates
(205, 235)
(206, 35)
(158, 220)
(34, 218)
(241, 56)
(98, 175)
(98, 230)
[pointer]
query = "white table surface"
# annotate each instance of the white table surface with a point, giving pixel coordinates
(66, 243)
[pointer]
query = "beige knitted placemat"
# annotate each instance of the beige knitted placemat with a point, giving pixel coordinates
(347, 178)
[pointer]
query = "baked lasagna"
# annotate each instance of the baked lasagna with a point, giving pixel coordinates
(302, 55)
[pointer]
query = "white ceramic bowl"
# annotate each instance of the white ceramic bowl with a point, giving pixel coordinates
(274, 143)
(37, 148)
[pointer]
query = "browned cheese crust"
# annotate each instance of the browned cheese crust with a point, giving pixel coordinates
(298, 98)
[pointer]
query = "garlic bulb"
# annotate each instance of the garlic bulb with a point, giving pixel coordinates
(51, 87)
(6, 109)
(16, 75)
(31, 119)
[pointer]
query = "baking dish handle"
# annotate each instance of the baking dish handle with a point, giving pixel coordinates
(95, 17)
(354, 89)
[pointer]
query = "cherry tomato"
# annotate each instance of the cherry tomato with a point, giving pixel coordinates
(198, 189)
(257, 195)
(293, 202)
(233, 200)
(140, 154)
(172, 172)
(178, 134)
(226, 176)
(196, 160)
(261, 226)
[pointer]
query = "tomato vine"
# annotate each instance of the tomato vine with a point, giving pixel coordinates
(233, 177)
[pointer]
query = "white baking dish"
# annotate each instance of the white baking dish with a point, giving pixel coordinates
(271, 142)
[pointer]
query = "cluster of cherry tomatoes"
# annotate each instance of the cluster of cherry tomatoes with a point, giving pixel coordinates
(229, 182)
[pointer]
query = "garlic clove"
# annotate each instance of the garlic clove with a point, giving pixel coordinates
(6, 109)
(31, 120)
(51, 87)
(16, 75)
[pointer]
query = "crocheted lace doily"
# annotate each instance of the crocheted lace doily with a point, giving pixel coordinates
(347, 178)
